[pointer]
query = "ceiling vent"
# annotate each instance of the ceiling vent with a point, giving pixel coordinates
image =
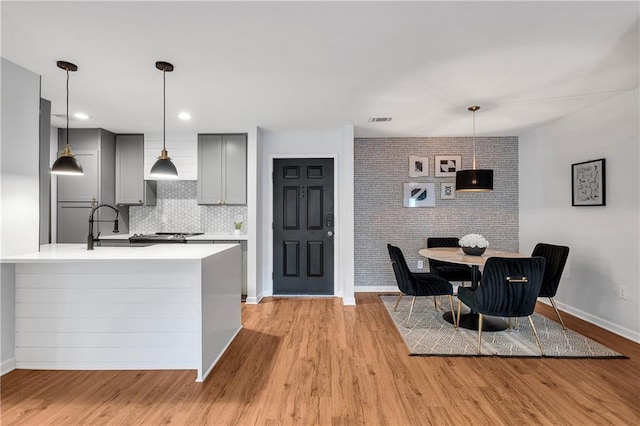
(379, 119)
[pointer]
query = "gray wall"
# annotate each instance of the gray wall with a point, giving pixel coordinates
(381, 168)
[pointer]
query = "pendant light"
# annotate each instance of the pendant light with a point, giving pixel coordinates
(474, 180)
(67, 164)
(164, 168)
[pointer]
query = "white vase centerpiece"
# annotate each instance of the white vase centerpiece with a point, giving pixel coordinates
(473, 244)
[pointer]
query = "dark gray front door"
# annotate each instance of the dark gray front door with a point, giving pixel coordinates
(303, 226)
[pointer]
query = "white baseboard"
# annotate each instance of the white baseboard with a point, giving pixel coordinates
(254, 300)
(7, 366)
(376, 289)
(348, 301)
(595, 320)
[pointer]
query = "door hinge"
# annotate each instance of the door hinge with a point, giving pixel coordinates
(272, 275)
(272, 225)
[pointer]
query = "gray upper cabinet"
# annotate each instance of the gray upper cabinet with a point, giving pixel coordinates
(96, 151)
(81, 188)
(131, 188)
(222, 169)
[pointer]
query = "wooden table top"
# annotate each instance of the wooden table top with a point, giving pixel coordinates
(456, 255)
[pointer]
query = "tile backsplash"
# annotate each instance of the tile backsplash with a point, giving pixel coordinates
(178, 211)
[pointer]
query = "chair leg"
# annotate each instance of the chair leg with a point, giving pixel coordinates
(479, 331)
(435, 303)
(453, 317)
(555, 308)
(406, 324)
(535, 332)
(395, 308)
(457, 321)
(509, 329)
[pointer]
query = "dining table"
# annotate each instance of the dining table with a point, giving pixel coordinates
(469, 320)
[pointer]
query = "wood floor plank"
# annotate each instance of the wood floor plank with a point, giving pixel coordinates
(317, 362)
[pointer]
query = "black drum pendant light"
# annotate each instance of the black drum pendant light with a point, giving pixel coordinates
(474, 180)
(164, 168)
(67, 164)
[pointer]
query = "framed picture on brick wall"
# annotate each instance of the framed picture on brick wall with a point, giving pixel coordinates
(419, 194)
(447, 165)
(418, 166)
(448, 190)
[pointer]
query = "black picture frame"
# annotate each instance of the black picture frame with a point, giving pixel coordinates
(588, 183)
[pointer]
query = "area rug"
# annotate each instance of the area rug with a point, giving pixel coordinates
(430, 335)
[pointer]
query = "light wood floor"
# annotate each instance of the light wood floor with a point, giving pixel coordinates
(313, 361)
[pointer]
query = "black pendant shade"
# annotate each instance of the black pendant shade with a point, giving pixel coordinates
(476, 180)
(67, 164)
(164, 168)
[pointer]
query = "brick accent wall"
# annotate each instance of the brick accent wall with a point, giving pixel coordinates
(382, 166)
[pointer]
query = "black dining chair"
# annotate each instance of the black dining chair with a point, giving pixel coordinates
(448, 271)
(555, 258)
(417, 284)
(509, 288)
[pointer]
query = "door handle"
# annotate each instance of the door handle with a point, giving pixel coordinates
(329, 234)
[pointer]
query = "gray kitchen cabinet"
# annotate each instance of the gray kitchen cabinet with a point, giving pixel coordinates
(73, 222)
(81, 188)
(131, 188)
(95, 149)
(222, 169)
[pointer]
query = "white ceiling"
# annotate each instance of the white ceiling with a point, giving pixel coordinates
(317, 65)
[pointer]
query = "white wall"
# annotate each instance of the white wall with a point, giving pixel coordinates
(604, 241)
(335, 143)
(19, 186)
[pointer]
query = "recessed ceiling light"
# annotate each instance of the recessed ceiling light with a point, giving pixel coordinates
(184, 116)
(81, 116)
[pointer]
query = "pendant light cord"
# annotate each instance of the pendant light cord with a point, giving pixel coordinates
(67, 106)
(474, 140)
(164, 108)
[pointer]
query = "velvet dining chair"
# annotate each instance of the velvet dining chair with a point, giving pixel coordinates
(509, 288)
(417, 284)
(555, 258)
(447, 270)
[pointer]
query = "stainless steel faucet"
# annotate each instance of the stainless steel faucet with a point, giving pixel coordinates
(90, 238)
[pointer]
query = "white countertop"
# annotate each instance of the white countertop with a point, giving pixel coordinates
(203, 237)
(56, 253)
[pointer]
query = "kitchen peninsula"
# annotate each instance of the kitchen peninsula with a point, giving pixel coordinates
(155, 307)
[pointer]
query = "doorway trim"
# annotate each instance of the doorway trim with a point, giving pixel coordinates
(338, 284)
